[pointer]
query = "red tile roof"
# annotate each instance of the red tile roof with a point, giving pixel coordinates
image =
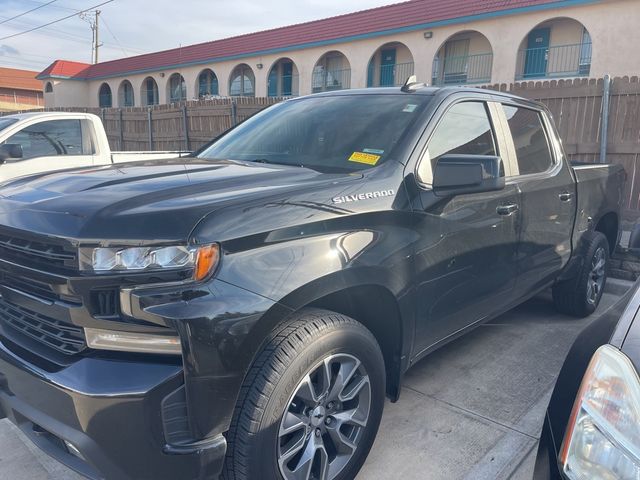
(394, 17)
(19, 79)
(64, 68)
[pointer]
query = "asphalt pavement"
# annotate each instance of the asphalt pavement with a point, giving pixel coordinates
(472, 410)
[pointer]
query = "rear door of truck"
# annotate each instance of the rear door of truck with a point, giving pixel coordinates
(547, 194)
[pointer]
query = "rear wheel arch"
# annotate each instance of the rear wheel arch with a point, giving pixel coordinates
(608, 225)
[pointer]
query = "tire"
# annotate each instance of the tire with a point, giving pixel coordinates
(580, 296)
(300, 356)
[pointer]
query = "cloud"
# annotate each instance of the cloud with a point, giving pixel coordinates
(131, 27)
(8, 50)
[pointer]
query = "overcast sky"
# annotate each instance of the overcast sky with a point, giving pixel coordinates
(131, 27)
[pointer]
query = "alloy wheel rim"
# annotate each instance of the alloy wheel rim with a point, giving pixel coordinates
(325, 420)
(595, 281)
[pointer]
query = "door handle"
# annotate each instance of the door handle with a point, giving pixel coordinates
(565, 197)
(507, 209)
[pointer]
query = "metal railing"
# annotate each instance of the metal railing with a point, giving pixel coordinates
(326, 80)
(283, 86)
(389, 75)
(463, 70)
(557, 61)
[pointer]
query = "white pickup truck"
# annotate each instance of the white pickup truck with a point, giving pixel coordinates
(46, 141)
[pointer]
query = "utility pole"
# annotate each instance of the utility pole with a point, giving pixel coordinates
(97, 41)
(93, 18)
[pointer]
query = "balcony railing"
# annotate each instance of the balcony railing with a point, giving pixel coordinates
(557, 61)
(463, 70)
(327, 80)
(283, 86)
(389, 75)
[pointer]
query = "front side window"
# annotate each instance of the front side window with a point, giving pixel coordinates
(464, 129)
(530, 140)
(334, 134)
(45, 139)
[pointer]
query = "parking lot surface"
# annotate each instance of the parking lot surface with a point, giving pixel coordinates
(471, 410)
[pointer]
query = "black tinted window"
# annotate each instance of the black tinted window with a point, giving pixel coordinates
(55, 137)
(464, 129)
(530, 140)
(341, 133)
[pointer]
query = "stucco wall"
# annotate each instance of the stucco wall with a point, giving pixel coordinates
(611, 23)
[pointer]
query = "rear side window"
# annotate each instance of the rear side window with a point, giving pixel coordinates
(464, 129)
(55, 137)
(529, 139)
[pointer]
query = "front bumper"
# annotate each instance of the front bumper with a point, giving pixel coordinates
(110, 411)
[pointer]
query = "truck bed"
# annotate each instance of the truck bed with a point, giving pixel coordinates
(600, 189)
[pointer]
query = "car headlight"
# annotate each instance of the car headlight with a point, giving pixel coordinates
(602, 438)
(202, 259)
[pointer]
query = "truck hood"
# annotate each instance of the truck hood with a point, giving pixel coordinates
(145, 201)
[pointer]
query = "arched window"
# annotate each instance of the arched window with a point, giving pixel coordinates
(48, 88)
(332, 72)
(391, 65)
(177, 88)
(283, 79)
(149, 92)
(242, 82)
(465, 58)
(126, 94)
(207, 84)
(555, 48)
(104, 96)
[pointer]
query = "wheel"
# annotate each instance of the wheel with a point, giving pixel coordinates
(581, 295)
(311, 404)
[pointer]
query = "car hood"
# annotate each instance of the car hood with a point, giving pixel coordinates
(145, 201)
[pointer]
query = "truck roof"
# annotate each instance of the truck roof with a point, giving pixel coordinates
(420, 90)
(45, 115)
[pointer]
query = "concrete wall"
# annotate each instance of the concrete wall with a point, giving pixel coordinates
(611, 23)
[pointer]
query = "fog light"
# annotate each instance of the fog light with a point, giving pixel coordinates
(132, 342)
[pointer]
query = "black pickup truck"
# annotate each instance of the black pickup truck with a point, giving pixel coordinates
(245, 311)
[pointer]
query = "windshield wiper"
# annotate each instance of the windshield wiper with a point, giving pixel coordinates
(271, 162)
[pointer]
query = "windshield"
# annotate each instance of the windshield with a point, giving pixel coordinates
(5, 122)
(340, 134)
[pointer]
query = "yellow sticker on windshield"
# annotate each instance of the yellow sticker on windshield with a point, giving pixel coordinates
(367, 158)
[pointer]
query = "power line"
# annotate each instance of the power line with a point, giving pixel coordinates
(114, 37)
(55, 21)
(28, 11)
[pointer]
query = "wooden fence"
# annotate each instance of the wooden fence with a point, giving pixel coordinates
(183, 126)
(576, 106)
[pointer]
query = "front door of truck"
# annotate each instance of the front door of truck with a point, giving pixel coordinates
(465, 259)
(47, 146)
(548, 192)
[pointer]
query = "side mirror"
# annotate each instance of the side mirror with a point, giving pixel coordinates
(10, 151)
(458, 174)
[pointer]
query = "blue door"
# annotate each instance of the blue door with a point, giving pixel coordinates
(388, 67)
(537, 53)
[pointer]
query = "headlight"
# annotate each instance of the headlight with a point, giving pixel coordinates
(602, 438)
(202, 259)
